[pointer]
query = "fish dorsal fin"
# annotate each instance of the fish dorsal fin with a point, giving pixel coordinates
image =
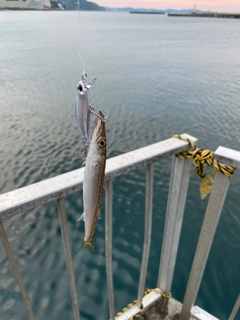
(82, 217)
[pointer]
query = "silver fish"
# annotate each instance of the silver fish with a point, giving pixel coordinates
(94, 179)
(83, 107)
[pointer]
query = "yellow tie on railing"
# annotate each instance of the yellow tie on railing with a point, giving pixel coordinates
(147, 291)
(200, 158)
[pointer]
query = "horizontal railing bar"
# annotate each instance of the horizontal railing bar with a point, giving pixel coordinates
(37, 194)
(196, 312)
(147, 301)
(200, 314)
(229, 156)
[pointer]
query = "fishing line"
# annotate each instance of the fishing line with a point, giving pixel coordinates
(80, 37)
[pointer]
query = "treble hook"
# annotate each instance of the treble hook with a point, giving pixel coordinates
(85, 152)
(92, 110)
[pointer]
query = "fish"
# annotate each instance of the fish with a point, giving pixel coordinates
(83, 107)
(93, 180)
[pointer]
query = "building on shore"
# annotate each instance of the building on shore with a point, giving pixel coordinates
(25, 4)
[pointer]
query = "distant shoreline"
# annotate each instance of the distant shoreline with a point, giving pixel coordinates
(207, 15)
(147, 12)
(169, 14)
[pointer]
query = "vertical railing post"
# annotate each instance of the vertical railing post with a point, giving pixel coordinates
(147, 232)
(108, 245)
(173, 223)
(235, 309)
(68, 255)
(209, 226)
(15, 269)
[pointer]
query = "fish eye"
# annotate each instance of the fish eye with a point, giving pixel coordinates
(102, 143)
(80, 88)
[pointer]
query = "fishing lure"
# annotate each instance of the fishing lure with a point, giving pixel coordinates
(83, 107)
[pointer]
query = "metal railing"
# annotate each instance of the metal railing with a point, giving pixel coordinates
(33, 196)
(235, 309)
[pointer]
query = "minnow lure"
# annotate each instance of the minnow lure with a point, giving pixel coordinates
(83, 107)
(94, 179)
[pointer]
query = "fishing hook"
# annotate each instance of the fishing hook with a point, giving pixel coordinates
(85, 152)
(92, 110)
(107, 114)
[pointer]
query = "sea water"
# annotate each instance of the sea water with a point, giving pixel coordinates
(156, 76)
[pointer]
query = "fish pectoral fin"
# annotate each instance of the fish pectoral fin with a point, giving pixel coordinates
(99, 215)
(82, 217)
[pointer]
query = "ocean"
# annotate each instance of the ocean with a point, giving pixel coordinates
(156, 76)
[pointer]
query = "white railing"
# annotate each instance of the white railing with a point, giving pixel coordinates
(33, 196)
(235, 309)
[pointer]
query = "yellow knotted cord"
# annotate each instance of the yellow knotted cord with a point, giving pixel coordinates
(147, 291)
(200, 158)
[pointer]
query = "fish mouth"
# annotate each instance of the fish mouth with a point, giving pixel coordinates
(101, 116)
(99, 128)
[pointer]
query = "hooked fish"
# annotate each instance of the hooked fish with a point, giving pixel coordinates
(83, 107)
(94, 179)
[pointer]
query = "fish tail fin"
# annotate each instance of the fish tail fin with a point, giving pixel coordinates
(90, 244)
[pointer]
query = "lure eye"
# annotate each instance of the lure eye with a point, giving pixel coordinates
(102, 143)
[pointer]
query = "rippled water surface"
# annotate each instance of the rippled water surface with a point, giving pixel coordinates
(157, 76)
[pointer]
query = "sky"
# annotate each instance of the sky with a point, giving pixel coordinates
(212, 5)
